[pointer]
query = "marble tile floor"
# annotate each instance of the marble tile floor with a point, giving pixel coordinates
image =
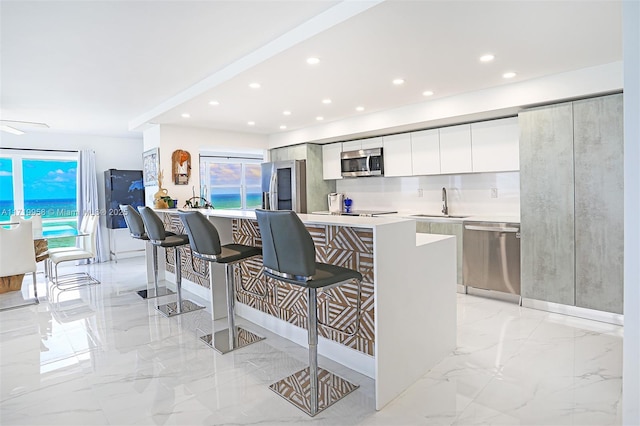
(103, 356)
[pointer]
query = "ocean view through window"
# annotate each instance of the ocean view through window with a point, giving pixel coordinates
(231, 183)
(40, 183)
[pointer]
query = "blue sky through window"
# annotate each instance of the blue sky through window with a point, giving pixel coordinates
(49, 179)
(6, 179)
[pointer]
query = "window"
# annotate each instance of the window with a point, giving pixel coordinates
(231, 183)
(6, 189)
(40, 182)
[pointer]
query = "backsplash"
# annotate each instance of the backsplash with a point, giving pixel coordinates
(468, 194)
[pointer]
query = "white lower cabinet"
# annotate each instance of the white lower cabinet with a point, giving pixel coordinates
(455, 149)
(397, 155)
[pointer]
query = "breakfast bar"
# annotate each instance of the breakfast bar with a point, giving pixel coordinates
(408, 298)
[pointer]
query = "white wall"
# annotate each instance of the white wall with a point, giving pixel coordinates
(111, 153)
(194, 140)
(496, 102)
(468, 194)
(631, 350)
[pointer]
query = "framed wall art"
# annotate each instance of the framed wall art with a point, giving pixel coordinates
(150, 166)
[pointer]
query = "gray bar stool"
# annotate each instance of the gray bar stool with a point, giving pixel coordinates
(289, 255)
(159, 237)
(136, 230)
(205, 245)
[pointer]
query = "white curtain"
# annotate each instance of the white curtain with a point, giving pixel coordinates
(88, 192)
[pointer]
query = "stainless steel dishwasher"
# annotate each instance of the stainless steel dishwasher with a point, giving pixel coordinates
(491, 256)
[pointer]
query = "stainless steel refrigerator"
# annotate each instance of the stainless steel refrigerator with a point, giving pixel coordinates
(284, 185)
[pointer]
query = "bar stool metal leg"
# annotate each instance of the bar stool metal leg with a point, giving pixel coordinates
(181, 306)
(233, 337)
(155, 291)
(313, 389)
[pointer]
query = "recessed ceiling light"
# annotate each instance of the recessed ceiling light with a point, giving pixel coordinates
(251, 123)
(254, 85)
(509, 74)
(326, 101)
(427, 93)
(283, 127)
(286, 112)
(214, 103)
(398, 81)
(487, 58)
(186, 115)
(313, 60)
(359, 108)
(319, 118)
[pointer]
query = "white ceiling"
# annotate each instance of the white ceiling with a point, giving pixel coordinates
(105, 67)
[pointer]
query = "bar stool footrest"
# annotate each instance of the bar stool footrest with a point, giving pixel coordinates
(297, 389)
(221, 340)
(151, 293)
(171, 309)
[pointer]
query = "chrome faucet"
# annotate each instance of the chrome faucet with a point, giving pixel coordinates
(445, 207)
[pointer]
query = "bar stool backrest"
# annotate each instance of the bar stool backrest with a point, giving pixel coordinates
(153, 224)
(203, 235)
(287, 246)
(133, 220)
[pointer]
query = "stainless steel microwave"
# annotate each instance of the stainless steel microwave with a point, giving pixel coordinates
(363, 162)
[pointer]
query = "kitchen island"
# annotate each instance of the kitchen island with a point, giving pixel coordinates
(408, 318)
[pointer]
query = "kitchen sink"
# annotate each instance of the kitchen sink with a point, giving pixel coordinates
(434, 216)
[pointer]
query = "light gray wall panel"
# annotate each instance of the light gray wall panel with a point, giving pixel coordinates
(546, 204)
(599, 202)
(317, 187)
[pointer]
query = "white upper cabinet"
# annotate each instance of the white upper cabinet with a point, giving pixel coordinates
(425, 151)
(397, 155)
(331, 161)
(371, 143)
(352, 145)
(495, 145)
(455, 149)
(368, 143)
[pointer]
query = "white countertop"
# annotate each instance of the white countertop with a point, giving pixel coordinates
(409, 214)
(321, 219)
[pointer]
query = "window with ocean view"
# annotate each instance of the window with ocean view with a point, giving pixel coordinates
(232, 183)
(6, 189)
(40, 183)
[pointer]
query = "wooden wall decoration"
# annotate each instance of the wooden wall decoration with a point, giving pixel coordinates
(180, 167)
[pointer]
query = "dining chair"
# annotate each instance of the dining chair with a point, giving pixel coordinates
(18, 257)
(36, 222)
(84, 250)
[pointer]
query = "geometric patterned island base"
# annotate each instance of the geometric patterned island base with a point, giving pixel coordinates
(297, 389)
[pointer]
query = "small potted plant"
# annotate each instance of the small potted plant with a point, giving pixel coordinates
(198, 203)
